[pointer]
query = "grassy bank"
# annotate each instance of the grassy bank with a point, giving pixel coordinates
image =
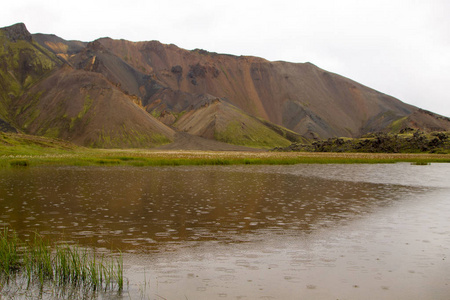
(18, 151)
(40, 264)
(142, 158)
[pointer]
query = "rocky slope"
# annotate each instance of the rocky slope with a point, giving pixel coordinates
(116, 93)
(301, 97)
(41, 94)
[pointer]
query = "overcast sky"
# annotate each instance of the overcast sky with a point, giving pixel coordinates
(399, 47)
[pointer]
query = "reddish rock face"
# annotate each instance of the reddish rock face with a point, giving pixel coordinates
(300, 97)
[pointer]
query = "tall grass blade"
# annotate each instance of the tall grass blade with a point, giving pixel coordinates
(63, 266)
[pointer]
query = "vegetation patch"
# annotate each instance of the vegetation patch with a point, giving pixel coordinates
(155, 113)
(52, 132)
(107, 161)
(19, 163)
(22, 150)
(397, 125)
(86, 107)
(13, 145)
(39, 264)
(253, 134)
(23, 63)
(416, 142)
(159, 139)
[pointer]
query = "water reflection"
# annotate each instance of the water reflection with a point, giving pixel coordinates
(249, 232)
(135, 209)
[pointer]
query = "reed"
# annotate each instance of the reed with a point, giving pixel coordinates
(9, 253)
(39, 264)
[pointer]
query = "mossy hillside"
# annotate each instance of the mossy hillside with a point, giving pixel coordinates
(12, 144)
(284, 132)
(397, 125)
(85, 109)
(250, 134)
(224, 122)
(29, 118)
(128, 138)
(61, 125)
(23, 63)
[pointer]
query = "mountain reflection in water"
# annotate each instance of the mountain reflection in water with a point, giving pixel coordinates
(136, 209)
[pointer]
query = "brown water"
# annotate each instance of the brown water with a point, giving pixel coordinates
(249, 232)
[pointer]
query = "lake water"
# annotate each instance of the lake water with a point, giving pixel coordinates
(249, 232)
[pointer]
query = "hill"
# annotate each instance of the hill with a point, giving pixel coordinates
(116, 93)
(42, 95)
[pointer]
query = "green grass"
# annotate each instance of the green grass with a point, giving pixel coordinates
(40, 263)
(251, 134)
(107, 158)
(18, 150)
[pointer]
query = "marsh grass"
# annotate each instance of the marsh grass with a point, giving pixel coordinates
(146, 158)
(19, 163)
(40, 264)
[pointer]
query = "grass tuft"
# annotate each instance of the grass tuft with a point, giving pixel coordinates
(19, 163)
(41, 264)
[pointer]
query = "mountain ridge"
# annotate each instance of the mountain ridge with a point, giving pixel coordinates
(156, 87)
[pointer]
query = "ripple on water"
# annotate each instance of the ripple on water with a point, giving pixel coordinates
(273, 226)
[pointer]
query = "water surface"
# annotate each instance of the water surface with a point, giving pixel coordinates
(249, 232)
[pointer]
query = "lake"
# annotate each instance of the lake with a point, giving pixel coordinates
(249, 232)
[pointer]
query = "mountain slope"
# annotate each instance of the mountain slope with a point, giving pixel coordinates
(224, 122)
(96, 58)
(300, 97)
(42, 95)
(84, 108)
(117, 93)
(22, 63)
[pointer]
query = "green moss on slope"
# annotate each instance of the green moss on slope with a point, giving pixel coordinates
(128, 138)
(22, 63)
(396, 126)
(250, 134)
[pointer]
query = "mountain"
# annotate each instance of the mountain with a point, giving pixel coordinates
(42, 95)
(117, 93)
(301, 97)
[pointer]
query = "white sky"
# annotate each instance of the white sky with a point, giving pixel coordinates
(399, 47)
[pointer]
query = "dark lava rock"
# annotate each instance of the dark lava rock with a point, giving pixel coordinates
(198, 71)
(177, 69)
(17, 32)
